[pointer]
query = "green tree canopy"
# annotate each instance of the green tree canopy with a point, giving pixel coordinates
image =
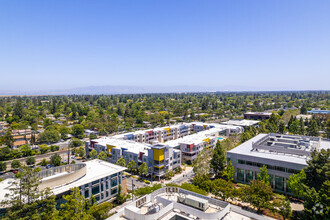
(263, 176)
(26, 201)
(30, 160)
(102, 156)
(258, 194)
(93, 154)
(15, 164)
(55, 160)
(218, 161)
(143, 169)
(121, 162)
(131, 165)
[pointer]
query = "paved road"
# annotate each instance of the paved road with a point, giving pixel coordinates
(137, 183)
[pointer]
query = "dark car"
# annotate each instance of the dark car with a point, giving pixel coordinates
(49, 166)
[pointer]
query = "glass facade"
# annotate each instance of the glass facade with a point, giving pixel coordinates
(249, 175)
(240, 174)
(95, 190)
(270, 167)
(279, 183)
(87, 193)
(114, 182)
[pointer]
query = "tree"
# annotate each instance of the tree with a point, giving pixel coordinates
(55, 160)
(102, 156)
(26, 201)
(263, 176)
(143, 169)
(294, 127)
(258, 194)
(81, 152)
(78, 130)
(44, 162)
(30, 160)
(18, 109)
(313, 128)
(301, 127)
(8, 139)
(201, 164)
(93, 154)
(303, 109)
(74, 208)
(64, 131)
(121, 162)
(15, 164)
(3, 166)
(317, 171)
(296, 183)
(224, 189)
(49, 136)
(218, 160)
(285, 209)
(101, 211)
(328, 129)
(75, 142)
(131, 165)
(229, 172)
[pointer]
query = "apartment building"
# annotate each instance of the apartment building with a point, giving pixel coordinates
(158, 157)
(161, 135)
(283, 155)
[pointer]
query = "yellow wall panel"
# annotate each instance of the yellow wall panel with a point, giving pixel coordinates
(159, 154)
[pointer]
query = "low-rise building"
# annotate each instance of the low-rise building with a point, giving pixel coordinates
(170, 203)
(283, 155)
(242, 122)
(96, 178)
(159, 157)
(257, 115)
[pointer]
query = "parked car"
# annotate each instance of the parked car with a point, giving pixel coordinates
(49, 166)
(15, 171)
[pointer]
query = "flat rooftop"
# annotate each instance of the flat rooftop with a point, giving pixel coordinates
(250, 148)
(131, 146)
(95, 169)
(241, 122)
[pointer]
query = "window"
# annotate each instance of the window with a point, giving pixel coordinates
(114, 182)
(95, 190)
(249, 175)
(114, 191)
(240, 174)
(279, 183)
(86, 193)
(95, 182)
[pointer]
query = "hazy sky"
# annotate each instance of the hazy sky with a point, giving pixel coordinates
(75, 43)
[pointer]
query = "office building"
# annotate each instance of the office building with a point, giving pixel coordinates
(96, 178)
(283, 155)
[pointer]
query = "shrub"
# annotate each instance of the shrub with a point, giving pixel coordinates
(54, 148)
(189, 187)
(15, 164)
(146, 181)
(146, 190)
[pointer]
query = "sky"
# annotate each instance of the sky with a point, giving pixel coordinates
(237, 44)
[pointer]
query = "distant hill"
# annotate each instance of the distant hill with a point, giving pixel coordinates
(113, 90)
